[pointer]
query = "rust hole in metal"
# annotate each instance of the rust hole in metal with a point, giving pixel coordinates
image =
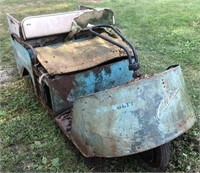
(64, 120)
(138, 148)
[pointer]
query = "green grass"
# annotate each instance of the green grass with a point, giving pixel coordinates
(165, 32)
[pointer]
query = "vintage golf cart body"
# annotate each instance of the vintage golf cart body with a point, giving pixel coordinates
(92, 86)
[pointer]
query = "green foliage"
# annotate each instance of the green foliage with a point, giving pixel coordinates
(165, 32)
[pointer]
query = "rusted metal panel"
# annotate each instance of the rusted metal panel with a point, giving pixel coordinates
(64, 120)
(94, 17)
(91, 17)
(133, 117)
(77, 55)
(65, 89)
(23, 59)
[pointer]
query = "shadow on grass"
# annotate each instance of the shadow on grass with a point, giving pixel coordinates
(96, 164)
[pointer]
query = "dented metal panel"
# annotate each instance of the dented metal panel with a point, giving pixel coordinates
(65, 89)
(23, 59)
(78, 55)
(133, 117)
(92, 17)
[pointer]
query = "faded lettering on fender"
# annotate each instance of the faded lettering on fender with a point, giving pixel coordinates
(122, 105)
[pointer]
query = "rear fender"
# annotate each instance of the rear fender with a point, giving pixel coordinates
(23, 59)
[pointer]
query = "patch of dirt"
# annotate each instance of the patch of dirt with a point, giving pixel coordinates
(7, 75)
(93, 1)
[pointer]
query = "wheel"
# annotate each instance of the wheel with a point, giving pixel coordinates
(156, 159)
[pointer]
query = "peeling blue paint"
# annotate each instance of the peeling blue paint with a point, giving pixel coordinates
(133, 117)
(66, 89)
(22, 58)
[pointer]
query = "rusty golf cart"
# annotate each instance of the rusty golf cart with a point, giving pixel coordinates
(86, 73)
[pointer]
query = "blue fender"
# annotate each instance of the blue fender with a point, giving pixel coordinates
(134, 117)
(23, 59)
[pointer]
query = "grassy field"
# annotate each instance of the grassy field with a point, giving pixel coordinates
(165, 32)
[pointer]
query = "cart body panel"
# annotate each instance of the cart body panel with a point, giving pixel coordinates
(133, 117)
(66, 89)
(23, 59)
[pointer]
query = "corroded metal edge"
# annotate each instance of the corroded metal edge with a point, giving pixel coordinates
(134, 117)
(69, 57)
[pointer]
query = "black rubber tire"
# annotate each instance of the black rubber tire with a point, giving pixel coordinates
(157, 159)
